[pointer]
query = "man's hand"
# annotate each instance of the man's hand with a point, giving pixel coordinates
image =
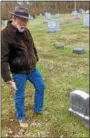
(12, 84)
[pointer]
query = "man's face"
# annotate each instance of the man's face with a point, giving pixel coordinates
(21, 21)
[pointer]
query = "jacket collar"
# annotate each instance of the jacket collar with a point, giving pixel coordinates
(11, 27)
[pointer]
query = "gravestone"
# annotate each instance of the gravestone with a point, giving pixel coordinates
(78, 50)
(80, 106)
(4, 22)
(47, 17)
(59, 47)
(40, 14)
(57, 15)
(53, 25)
(86, 22)
(81, 11)
(75, 14)
(30, 17)
(87, 12)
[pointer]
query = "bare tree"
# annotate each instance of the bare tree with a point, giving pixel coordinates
(37, 7)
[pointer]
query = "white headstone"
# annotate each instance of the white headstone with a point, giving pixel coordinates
(80, 105)
(2, 22)
(82, 11)
(57, 15)
(78, 16)
(30, 17)
(87, 12)
(74, 13)
(86, 20)
(40, 14)
(47, 15)
(53, 25)
(6, 22)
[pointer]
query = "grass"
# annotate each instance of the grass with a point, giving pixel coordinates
(63, 72)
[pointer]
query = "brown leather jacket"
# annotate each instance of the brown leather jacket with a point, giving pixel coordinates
(18, 52)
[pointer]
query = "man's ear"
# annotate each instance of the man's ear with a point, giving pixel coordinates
(14, 17)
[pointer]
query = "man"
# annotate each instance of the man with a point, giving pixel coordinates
(19, 55)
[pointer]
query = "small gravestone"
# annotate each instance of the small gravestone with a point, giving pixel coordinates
(86, 22)
(75, 14)
(57, 15)
(80, 105)
(79, 50)
(81, 11)
(40, 14)
(4, 22)
(30, 17)
(47, 17)
(53, 25)
(87, 12)
(59, 47)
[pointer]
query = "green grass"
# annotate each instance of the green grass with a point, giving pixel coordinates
(63, 72)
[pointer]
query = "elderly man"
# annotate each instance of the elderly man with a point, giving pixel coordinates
(19, 55)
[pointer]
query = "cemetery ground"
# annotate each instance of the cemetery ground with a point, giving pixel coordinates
(63, 72)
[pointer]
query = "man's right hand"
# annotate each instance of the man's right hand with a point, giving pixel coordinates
(12, 84)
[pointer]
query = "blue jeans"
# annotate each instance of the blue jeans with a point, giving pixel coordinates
(20, 80)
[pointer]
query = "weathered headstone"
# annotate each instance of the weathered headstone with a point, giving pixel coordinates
(57, 15)
(80, 105)
(30, 17)
(86, 22)
(40, 14)
(59, 47)
(4, 22)
(87, 12)
(81, 11)
(53, 25)
(75, 14)
(47, 15)
(78, 50)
